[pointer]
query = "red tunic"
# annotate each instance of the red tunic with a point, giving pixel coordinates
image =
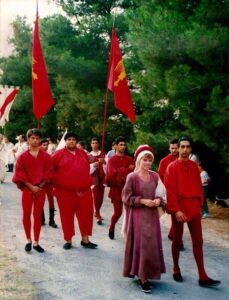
(184, 190)
(71, 171)
(117, 170)
(98, 174)
(34, 170)
(164, 164)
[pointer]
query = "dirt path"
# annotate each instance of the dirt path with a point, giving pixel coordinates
(96, 274)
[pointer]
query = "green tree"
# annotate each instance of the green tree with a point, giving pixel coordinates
(183, 75)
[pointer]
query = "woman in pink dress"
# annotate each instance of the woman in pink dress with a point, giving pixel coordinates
(142, 194)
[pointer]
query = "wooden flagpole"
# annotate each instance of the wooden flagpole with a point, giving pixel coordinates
(106, 102)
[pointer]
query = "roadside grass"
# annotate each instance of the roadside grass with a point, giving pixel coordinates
(13, 282)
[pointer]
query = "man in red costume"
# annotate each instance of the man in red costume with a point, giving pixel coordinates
(118, 167)
(97, 165)
(32, 173)
(184, 203)
(72, 185)
(173, 155)
(49, 193)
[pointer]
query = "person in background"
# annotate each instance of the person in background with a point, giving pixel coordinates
(111, 152)
(20, 146)
(81, 145)
(32, 173)
(9, 158)
(51, 146)
(118, 167)
(142, 194)
(49, 193)
(97, 171)
(72, 188)
(173, 155)
(205, 179)
(184, 203)
(2, 159)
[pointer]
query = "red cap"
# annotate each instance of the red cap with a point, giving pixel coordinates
(142, 148)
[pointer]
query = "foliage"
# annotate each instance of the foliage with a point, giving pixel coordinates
(176, 58)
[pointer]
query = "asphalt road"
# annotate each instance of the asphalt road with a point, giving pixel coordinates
(97, 274)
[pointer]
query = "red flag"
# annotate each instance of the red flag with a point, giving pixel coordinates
(42, 96)
(7, 104)
(117, 81)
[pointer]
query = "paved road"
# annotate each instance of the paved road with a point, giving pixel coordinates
(96, 274)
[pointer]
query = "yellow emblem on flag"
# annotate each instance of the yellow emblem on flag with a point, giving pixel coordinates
(119, 69)
(34, 75)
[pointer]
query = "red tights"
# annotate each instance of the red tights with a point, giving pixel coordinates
(97, 193)
(117, 206)
(195, 230)
(29, 201)
(79, 204)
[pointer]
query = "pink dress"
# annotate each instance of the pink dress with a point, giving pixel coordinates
(143, 249)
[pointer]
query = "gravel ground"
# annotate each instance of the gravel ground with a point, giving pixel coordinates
(97, 274)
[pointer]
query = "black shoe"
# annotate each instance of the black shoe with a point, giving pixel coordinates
(28, 247)
(146, 287)
(177, 277)
(182, 248)
(111, 234)
(67, 246)
(89, 245)
(38, 248)
(99, 222)
(52, 224)
(170, 237)
(209, 283)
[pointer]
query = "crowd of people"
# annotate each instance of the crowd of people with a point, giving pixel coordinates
(77, 179)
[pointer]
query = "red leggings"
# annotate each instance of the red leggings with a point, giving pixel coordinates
(117, 206)
(79, 204)
(97, 193)
(195, 230)
(29, 201)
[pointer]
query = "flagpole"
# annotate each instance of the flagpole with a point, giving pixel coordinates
(106, 102)
(104, 119)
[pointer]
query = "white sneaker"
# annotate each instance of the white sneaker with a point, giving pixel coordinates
(205, 215)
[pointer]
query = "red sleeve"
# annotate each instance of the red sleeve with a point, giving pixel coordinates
(116, 175)
(129, 196)
(20, 175)
(171, 185)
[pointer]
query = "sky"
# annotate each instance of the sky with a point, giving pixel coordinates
(9, 9)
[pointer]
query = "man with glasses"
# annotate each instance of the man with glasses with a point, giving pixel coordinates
(118, 167)
(184, 202)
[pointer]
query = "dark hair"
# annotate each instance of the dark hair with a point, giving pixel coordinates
(81, 143)
(95, 139)
(173, 141)
(33, 131)
(71, 134)
(183, 138)
(44, 141)
(119, 139)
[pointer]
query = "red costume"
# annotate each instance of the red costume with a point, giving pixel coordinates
(34, 170)
(164, 164)
(98, 176)
(185, 194)
(72, 184)
(161, 171)
(117, 171)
